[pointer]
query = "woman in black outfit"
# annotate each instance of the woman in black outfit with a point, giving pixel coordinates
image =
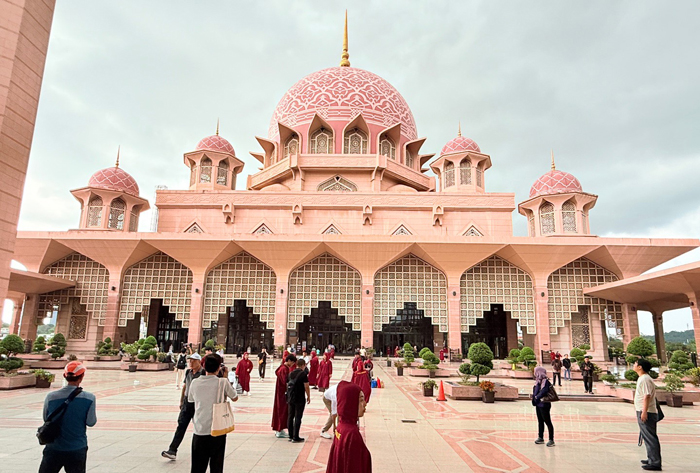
(541, 388)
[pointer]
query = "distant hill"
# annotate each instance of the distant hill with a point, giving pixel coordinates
(675, 337)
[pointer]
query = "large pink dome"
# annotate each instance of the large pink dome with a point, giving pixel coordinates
(555, 182)
(216, 143)
(340, 93)
(459, 145)
(115, 179)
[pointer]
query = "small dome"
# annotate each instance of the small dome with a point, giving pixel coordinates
(216, 143)
(114, 179)
(555, 182)
(460, 145)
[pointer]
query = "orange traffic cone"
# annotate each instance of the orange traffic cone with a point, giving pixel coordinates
(441, 393)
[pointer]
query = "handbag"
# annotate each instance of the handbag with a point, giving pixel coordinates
(551, 395)
(51, 429)
(222, 414)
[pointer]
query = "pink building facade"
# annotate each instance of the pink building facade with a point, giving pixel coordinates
(342, 238)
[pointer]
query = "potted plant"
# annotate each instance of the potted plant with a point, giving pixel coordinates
(388, 362)
(481, 358)
(39, 345)
(680, 363)
(512, 358)
(10, 347)
(674, 384)
(428, 387)
(131, 350)
(488, 391)
(399, 367)
(43, 378)
(430, 362)
(610, 379)
(105, 348)
(58, 346)
(408, 354)
(693, 376)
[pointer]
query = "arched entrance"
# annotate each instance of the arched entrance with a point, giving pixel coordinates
(245, 329)
(410, 325)
(496, 329)
(324, 326)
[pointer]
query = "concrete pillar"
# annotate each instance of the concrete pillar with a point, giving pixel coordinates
(367, 312)
(658, 319)
(630, 320)
(27, 327)
(542, 338)
(194, 332)
(16, 315)
(695, 313)
(111, 327)
(454, 313)
(281, 311)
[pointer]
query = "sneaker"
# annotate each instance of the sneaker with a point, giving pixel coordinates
(282, 434)
(551, 443)
(539, 441)
(645, 462)
(169, 454)
(651, 468)
(297, 440)
(326, 435)
(248, 394)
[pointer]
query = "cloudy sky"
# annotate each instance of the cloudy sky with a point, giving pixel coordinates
(612, 87)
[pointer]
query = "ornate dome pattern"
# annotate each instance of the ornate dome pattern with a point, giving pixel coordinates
(555, 182)
(459, 145)
(341, 93)
(115, 179)
(216, 143)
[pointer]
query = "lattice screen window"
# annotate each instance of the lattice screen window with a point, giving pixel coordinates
(449, 174)
(337, 184)
(321, 142)
(157, 277)
(473, 232)
(496, 281)
(402, 231)
(77, 328)
(291, 147)
(222, 174)
(355, 142)
(580, 327)
(325, 278)
(205, 170)
(387, 147)
(531, 222)
(566, 286)
(568, 216)
(465, 171)
(95, 212)
(410, 279)
(241, 277)
(409, 159)
(117, 210)
(262, 230)
(91, 286)
(547, 218)
(479, 176)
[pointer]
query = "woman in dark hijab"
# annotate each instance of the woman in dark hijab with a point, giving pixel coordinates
(539, 390)
(348, 452)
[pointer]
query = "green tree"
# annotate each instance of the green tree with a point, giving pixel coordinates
(527, 358)
(39, 344)
(58, 346)
(10, 346)
(578, 354)
(465, 371)
(430, 361)
(148, 348)
(408, 355)
(680, 362)
(425, 350)
(481, 358)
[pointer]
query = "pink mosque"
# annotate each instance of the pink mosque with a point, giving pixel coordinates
(342, 237)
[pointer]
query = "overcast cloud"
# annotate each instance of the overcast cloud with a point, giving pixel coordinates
(612, 87)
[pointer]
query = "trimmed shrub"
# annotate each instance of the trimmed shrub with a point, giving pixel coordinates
(481, 357)
(631, 375)
(39, 344)
(674, 383)
(58, 346)
(105, 348)
(430, 361)
(210, 344)
(465, 371)
(408, 355)
(578, 354)
(13, 345)
(148, 348)
(527, 358)
(421, 354)
(694, 375)
(641, 347)
(680, 362)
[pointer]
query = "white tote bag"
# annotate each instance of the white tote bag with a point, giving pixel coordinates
(222, 414)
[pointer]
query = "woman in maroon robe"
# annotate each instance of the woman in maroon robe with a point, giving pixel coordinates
(243, 369)
(361, 378)
(325, 370)
(349, 453)
(313, 370)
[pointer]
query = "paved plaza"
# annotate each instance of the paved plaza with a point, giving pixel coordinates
(137, 415)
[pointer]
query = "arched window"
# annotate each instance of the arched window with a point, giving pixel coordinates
(291, 146)
(116, 214)
(387, 147)
(568, 216)
(531, 222)
(205, 170)
(547, 218)
(94, 218)
(222, 173)
(479, 172)
(355, 142)
(449, 174)
(409, 159)
(465, 171)
(321, 142)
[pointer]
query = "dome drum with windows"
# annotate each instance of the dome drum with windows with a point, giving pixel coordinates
(461, 165)
(213, 164)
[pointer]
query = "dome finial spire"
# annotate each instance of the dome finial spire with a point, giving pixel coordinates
(116, 165)
(217, 126)
(459, 130)
(344, 58)
(553, 166)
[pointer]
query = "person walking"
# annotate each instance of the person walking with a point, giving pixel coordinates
(280, 409)
(330, 400)
(361, 378)
(243, 369)
(69, 450)
(587, 373)
(180, 367)
(207, 450)
(313, 370)
(186, 407)
(647, 414)
(262, 363)
(325, 371)
(556, 369)
(297, 386)
(566, 363)
(348, 453)
(543, 409)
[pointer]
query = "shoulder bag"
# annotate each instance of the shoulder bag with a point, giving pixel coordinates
(49, 432)
(551, 395)
(222, 413)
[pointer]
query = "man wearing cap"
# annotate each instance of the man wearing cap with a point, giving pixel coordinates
(69, 450)
(186, 407)
(587, 373)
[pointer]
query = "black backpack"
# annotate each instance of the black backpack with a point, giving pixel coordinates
(49, 432)
(290, 395)
(182, 362)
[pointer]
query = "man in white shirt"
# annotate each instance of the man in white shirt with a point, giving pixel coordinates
(647, 414)
(330, 399)
(205, 391)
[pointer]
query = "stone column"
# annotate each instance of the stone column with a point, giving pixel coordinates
(454, 313)
(542, 338)
(281, 310)
(367, 336)
(194, 332)
(630, 320)
(658, 319)
(16, 315)
(695, 313)
(27, 327)
(111, 327)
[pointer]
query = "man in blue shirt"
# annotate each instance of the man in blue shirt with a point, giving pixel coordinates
(69, 450)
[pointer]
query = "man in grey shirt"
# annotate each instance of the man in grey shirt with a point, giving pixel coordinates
(186, 407)
(204, 392)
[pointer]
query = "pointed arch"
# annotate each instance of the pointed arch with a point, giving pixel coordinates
(331, 230)
(337, 184)
(291, 146)
(356, 136)
(262, 229)
(222, 173)
(472, 231)
(547, 225)
(205, 170)
(194, 228)
(401, 230)
(117, 214)
(568, 216)
(321, 137)
(465, 172)
(241, 277)
(449, 174)
(95, 206)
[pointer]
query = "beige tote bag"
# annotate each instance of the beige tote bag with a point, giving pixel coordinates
(222, 414)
